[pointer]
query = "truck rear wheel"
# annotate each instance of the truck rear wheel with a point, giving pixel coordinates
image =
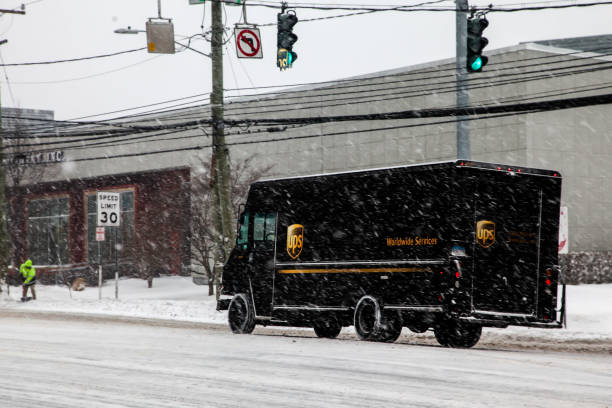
(372, 324)
(327, 328)
(457, 335)
(240, 315)
(391, 327)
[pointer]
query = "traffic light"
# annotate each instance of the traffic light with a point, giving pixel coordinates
(475, 43)
(286, 39)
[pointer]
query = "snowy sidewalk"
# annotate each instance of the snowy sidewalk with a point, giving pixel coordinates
(177, 298)
(171, 297)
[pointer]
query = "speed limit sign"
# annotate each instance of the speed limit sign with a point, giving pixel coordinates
(109, 209)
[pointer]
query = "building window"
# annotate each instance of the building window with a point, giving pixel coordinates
(125, 232)
(48, 231)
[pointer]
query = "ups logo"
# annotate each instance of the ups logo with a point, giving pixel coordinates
(485, 233)
(295, 240)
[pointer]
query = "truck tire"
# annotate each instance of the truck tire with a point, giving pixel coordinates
(417, 326)
(328, 328)
(240, 314)
(457, 335)
(391, 327)
(368, 318)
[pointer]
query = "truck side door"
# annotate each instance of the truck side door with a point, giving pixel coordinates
(261, 261)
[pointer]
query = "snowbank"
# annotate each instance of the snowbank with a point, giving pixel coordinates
(171, 297)
(177, 298)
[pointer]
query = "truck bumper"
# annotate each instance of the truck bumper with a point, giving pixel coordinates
(504, 320)
(223, 304)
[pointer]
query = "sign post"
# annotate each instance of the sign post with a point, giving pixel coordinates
(99, 237)
(109, 215)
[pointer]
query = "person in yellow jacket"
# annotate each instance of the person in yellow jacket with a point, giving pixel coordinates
(28, 276)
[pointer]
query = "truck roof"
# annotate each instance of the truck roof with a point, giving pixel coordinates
(442, 164)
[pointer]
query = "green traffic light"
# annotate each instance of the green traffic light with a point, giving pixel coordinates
(477, 64)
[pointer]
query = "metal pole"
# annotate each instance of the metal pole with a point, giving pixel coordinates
(463, 129)
(99, 272)
(221, 178)
(116, 267)
(4, 239)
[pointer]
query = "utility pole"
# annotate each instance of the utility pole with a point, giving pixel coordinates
(221, 165)
(463, 129)
(4, 244)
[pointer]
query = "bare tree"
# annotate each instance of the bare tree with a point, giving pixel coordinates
(204, 233)
(156, 247)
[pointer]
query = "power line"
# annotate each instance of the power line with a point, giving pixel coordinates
(125, 130)
(267, 97)
(121, 142)
(374, 8)
(275, 98)
(417, 72)
(527, 107)
(20, 64)
(109, 133)
(546, 73)
(60, 81)
(105, 157)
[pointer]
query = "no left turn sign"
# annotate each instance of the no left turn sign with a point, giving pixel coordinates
(248, 43)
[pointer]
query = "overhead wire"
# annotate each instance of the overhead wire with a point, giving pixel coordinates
(99, 74)
(350, 83)
(128, 130)
(150, 138)
(421, 89)
(21, 64)
(317, 135)
(540, 106)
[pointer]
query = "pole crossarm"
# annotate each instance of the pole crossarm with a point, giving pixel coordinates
(12, 11)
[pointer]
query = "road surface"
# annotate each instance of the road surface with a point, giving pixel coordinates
(57, 361)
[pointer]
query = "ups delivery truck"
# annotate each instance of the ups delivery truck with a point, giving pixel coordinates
(452, 246)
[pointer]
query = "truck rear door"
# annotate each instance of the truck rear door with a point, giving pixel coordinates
(508, 210)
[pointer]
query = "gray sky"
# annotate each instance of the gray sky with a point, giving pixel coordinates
(327, 49)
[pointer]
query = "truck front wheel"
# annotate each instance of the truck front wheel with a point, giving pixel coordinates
(240, 315)
(368, 318)
(457, 335)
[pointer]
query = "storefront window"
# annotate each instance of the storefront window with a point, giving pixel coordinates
(48, 231)
(105, 250)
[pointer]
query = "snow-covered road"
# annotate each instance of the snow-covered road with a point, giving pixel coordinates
(54, 361)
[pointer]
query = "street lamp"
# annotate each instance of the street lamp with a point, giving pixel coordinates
(128, 30)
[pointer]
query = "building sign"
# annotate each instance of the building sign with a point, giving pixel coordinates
(36, 158)
(109, 209)
(563, 232)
